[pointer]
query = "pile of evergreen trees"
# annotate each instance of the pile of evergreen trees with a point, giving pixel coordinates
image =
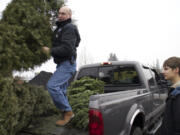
(25, 28)
(20, 103)
(79, 93)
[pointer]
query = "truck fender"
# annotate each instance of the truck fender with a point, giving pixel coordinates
(135, 110)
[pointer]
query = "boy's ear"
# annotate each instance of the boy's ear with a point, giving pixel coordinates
(177, 70)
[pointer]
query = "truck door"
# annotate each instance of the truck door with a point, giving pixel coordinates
(154, 90)
(156, 94)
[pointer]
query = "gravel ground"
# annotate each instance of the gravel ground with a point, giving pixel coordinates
(46, 126)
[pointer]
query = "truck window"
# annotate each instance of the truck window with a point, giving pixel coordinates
(149, 77)
(119, 75)
(105, 74)
(88, 72)
(153, 75)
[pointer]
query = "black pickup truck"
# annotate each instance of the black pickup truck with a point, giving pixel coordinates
(133, 101)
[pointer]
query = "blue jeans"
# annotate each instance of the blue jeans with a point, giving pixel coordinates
(58, 83)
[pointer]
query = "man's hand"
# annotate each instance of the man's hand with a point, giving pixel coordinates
(46, 49)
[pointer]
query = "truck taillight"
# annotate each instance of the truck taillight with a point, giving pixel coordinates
(96, 126)
(106, 63)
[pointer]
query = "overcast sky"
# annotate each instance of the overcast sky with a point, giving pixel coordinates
(141, 30)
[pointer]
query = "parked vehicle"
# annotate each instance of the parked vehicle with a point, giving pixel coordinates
(133, 101)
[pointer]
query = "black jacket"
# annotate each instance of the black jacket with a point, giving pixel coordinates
(171, 119)
(64, 42)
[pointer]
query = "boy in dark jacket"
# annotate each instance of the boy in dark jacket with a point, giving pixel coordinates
(171, 120)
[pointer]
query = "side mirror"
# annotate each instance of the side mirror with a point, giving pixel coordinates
(164, 82)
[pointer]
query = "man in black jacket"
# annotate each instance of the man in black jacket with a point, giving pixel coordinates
(171, 120)
(65, 40)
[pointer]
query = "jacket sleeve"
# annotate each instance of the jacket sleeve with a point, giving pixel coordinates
(78, 37)
(68, 40)
(176, 114)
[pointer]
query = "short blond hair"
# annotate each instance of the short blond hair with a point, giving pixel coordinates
(69, 11)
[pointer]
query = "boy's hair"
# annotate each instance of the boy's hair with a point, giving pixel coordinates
(172, 62)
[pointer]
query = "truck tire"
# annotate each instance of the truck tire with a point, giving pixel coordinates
(136, 131)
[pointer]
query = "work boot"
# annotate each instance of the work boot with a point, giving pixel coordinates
(67, 117)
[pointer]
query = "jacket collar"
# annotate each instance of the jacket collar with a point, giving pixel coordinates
(61, 24)
(174, 89)
(176, 85)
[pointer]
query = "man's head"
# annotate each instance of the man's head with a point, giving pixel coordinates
(171, 68)
(64, 13)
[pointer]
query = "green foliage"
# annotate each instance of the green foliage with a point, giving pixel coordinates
(20, 103)
(78, 94)
(24, 29)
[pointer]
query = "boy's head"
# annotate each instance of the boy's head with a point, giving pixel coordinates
(171, 68)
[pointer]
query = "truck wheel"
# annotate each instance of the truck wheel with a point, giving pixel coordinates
(136, 131)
